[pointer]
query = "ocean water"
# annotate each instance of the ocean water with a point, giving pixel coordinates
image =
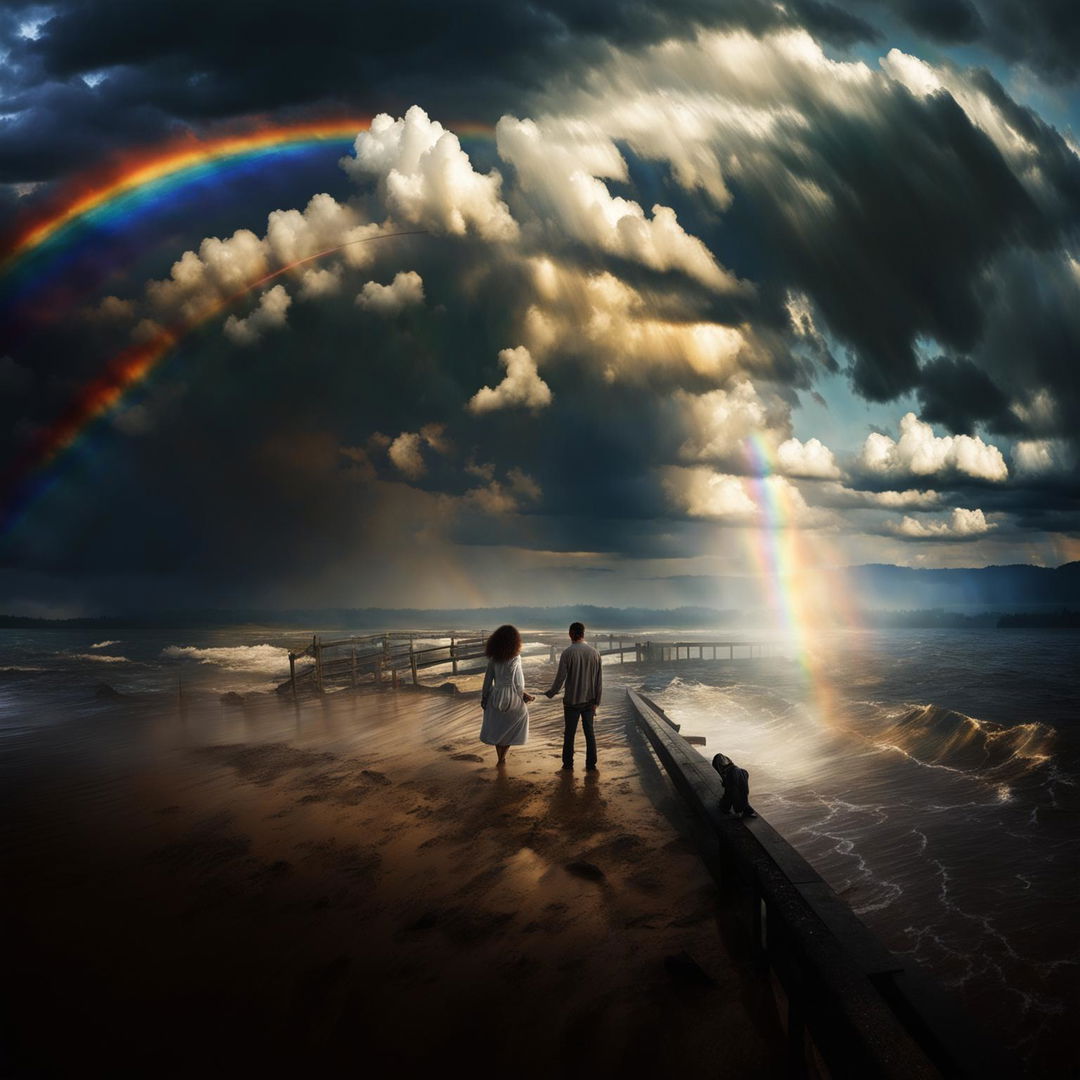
(931, 776)
(933, 779)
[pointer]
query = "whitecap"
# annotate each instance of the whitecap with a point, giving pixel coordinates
(271, 659)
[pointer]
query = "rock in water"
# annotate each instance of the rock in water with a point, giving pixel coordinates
(232, 698)
(106, 692)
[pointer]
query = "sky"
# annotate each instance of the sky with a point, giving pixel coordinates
(599, 302)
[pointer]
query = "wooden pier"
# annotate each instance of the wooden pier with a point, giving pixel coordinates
(392, 657)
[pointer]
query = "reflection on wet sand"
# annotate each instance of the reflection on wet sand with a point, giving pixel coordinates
(352, 882)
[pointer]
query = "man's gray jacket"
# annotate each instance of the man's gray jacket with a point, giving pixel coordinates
(579, 668)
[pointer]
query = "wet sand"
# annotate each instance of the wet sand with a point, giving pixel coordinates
(352, 883)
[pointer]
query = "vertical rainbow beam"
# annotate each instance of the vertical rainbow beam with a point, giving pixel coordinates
(781, 555)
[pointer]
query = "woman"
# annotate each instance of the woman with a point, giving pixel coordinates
(506, 718)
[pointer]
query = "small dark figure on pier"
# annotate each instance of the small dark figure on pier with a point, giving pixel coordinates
(736, 781)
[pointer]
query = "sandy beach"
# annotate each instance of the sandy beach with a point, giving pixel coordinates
(351, 882)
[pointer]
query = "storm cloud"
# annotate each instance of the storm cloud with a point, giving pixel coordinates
(601, 336)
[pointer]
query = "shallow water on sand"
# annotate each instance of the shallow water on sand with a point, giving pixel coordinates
(348, 884)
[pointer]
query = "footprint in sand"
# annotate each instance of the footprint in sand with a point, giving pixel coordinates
(376, 777)
(467, 757)
(587, 870)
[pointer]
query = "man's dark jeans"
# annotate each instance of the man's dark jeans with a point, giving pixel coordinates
(570, 721)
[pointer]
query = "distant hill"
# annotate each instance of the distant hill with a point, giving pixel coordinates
(884, 594)
(541, 618)
(1003, 588)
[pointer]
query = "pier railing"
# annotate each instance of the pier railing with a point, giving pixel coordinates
(394, 655)
(666, 651)
(851, 1008)
(388, 656)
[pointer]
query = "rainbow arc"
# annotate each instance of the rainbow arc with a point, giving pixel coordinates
(116, 199)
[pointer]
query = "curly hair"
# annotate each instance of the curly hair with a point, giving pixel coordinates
(504, 644)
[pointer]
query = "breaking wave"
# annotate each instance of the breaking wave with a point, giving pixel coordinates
(269, 659)
(935, 736)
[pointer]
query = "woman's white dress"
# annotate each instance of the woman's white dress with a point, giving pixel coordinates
(509, 728)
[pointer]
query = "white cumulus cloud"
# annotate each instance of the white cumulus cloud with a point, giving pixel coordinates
(558, 174)
(406, 451)
(919, 452)
(626, 330)
(960, 525)
(270, 314)
(502, 497)
(720, 421)
(316, 283)
(426, 179)
(199, 282)
(774, 501)
(837, 494)
(406, 290)
(522, 385)
(709, 494)
(809, 459)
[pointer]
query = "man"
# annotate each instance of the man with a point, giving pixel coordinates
(579, 668)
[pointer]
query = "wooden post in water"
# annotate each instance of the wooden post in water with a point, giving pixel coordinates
(453, 657)
(318, 661)
(292, 673)
(412, 660)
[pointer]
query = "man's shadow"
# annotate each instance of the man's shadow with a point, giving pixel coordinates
(577, 805)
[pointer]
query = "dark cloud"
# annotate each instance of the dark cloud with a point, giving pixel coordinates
(943, 20)
(1032, 340)
(956, 393)
(920, 201)
(198, 61)
(925, 230)
(1042, 34)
